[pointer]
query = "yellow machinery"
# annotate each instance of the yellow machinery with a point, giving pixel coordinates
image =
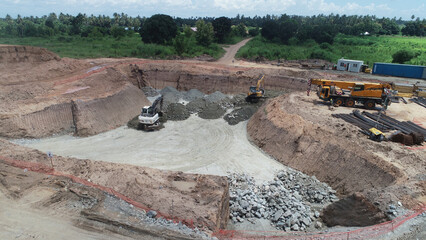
(376, 135)
(256, 92)
(350, 93)
(366, 69)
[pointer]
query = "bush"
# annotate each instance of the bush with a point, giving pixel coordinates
(402, 56)
(118, 32)
(320, 54)
(254, 32)
(325, 46)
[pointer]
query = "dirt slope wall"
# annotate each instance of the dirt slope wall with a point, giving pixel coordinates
(103, 114)
(204, 199)
(19, 54)
(313, 150)
(82, 117)
(209, 78)
(228, 83)
(51, 120)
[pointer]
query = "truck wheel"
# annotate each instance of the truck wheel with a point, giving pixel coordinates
(350, 102)
(369, 104)
(339, 102)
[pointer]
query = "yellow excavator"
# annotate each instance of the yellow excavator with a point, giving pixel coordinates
(256, 92)
(350, 93)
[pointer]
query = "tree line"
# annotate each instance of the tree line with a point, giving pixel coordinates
(185, 32)
(323, 28)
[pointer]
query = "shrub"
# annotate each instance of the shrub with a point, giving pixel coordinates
(254, 32)
(320, 54)
(402, 56)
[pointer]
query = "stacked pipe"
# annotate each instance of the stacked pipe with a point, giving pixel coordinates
(408, 133)
(421, 101)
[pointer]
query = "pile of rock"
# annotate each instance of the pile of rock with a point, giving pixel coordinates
(211, 106)
(150, 218)
(286, 201)
(179, 105)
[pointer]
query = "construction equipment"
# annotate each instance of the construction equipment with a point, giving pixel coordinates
(350, 93)
(376, 135)
(256, 92)
(366, 69)
(149, 119)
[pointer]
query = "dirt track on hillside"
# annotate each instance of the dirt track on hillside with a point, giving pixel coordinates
(229, 56)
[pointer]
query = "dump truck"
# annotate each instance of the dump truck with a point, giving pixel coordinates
(149, 119)
(349, 93)
(256, 92)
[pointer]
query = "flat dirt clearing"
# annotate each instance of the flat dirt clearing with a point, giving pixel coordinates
(192, 146)
(20, 220)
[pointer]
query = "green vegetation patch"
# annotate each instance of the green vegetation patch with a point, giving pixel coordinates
(369, 49)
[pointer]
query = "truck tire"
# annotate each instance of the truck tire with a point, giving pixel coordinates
(339, 102)
(350, 102)
(370, 104)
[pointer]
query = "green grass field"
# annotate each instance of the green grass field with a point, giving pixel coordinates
(370, 49)
(129, 46)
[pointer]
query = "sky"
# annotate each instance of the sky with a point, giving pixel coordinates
(216, 8)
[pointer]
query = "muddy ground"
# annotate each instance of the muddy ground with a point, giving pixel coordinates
(64, 97)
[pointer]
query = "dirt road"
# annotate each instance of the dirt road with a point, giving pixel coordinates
(231, 51)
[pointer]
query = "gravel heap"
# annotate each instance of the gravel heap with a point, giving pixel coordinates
(150, 92)
(240, 114)
(215, 97)
(196, 105)
(286, 201)
(212, 106)
(177, 112)
(192, 95)
(212, 111)
(149, 218)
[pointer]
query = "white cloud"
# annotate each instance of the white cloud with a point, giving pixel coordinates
(160, 3)
(253, 5)
(215, 8)
(326, 7)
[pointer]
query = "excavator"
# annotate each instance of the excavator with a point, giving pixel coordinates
(149, 119)
(256, 92)
(349, 93)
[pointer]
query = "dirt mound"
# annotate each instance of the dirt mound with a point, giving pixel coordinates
(170, 89)
(211, 111)
(192, 95)
(354, 210)
(203, 199)
(20, 54)
(215, 97)
(150, 92)
(240, 114)
(316, 150)
(197, 105)
(99, 115)
(177, 112)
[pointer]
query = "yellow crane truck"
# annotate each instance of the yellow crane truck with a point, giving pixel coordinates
(349, 93)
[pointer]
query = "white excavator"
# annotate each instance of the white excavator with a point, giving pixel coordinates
(150, 117)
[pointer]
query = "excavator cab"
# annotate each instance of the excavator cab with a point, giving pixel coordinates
(147, 111)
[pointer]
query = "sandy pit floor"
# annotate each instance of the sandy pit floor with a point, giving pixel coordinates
(19, 220)
(192, 146)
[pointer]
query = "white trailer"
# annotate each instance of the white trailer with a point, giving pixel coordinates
(349, 65)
